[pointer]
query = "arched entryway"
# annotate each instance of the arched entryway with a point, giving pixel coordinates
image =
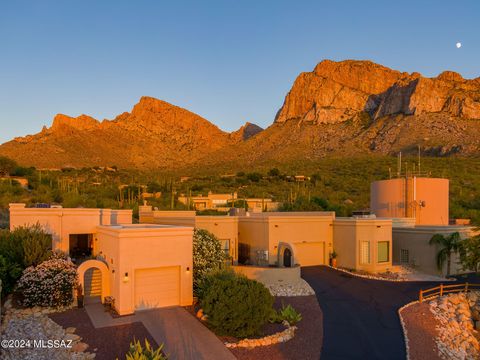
(285, 255)
(287, 258)
(93, 275)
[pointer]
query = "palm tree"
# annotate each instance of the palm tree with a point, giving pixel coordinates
(449, 244)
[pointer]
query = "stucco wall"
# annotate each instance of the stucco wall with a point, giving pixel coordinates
(253, 233)
(349, 233)
(309, 235)
(223, 227)
(136, 247)
(61, 222)
(422, 255)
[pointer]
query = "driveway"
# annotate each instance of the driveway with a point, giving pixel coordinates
(184, 336)
(360, 319)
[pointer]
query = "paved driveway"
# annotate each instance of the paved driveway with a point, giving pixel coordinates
(360, 319)
(184, 337)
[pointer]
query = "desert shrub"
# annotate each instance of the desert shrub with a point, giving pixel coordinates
(138, 352)
(10, 272)
(20, 248)
(50, 283)
(208, 254)
(36, 244)
(286, 313)
(235, 306)
(211, 277)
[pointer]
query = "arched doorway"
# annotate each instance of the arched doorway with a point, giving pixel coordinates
(287, 257)
(93, 275)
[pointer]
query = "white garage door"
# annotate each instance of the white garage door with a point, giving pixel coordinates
(308, 254)
(157, 287)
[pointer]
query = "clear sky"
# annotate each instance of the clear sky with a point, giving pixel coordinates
(230, 61)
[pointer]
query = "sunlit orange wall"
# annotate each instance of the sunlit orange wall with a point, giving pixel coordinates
(388, 199)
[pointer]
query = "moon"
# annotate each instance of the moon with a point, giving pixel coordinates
(458, 45)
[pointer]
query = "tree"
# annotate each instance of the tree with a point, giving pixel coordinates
(470, 253)
(7, 166)
(274, 172)
(449, 244)
(208, 254)
(254, 176)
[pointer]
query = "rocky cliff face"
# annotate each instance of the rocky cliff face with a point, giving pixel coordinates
(338, 91)
(342, 108)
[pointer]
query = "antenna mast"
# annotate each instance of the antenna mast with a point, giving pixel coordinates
(399, 165)
(419, 169)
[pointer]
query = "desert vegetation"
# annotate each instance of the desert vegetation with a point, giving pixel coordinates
(339, 184)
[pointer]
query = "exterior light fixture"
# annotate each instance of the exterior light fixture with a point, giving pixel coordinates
(188, 269)
(125, 278)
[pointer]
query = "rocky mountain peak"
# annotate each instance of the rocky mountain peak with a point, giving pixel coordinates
(82, 122)
(338, 91)
(246, 131)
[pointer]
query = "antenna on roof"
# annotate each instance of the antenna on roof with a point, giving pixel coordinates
(419, 169)
(399, 164)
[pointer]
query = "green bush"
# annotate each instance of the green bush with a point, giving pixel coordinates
(208, 255)
(36, 244)
(19, 249)
(235, 306)
(286, 313)
(138, 352)
(211, 277)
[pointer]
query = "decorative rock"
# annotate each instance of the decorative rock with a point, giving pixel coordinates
(80, 347)
(282, 336)
(200, 313)
(72, 337)
(70, 330)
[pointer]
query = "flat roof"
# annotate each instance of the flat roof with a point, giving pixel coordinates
(139, 226)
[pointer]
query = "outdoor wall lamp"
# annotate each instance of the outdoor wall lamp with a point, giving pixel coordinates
(125, 278)
(188, 269)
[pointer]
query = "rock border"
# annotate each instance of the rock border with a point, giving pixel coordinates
(373, 277)
(279, 337)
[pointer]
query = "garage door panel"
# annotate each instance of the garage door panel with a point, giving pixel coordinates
(308, 254)
(158, 287)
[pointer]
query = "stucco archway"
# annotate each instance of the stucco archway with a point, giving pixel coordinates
(103, 269)
(281, 252)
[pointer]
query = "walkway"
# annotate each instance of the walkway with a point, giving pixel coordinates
(184, 337)
(360, 319)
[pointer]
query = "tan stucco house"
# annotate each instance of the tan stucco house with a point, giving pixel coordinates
(140, 266)
(225, 228)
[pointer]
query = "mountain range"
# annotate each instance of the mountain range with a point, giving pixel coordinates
(345, 108)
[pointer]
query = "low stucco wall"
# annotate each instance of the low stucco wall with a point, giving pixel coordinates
(268, 275)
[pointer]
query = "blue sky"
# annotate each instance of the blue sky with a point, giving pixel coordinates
(228, 61)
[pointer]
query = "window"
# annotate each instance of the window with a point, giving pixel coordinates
(404, 256)
(226, 246)
(365, 252)
(383, 251)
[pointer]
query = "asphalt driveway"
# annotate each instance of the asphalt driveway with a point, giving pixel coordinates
(360, 319)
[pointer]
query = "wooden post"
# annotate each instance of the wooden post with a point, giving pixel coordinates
(420, 296)
(466, 286)
(441, 289)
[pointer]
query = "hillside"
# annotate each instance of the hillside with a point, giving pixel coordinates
(345, 108)
(155, 134)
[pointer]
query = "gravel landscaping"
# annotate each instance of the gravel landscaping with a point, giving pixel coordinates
(107, 343)
(307, 342)
(421, 331)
